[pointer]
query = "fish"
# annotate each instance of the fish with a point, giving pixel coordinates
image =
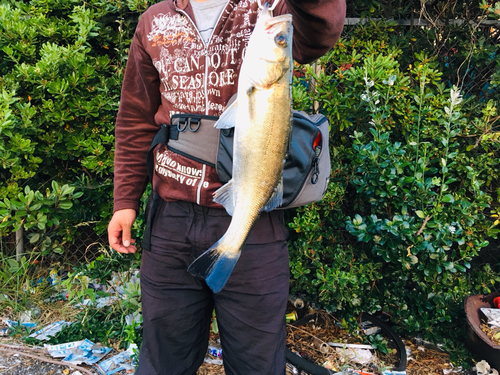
(261, 116)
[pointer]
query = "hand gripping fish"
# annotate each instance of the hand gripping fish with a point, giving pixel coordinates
(261, 116)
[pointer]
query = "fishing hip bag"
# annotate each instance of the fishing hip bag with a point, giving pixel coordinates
(306, 169)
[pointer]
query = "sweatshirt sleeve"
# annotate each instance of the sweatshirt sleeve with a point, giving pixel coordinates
(135, 126)
(317, 26)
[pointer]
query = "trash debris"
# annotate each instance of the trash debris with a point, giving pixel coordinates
(492, 316)
(356, 355)
(388, 372)
(60, 296)
(119, 362)
(369, 328)
(62, 350)
(11, 323)
(291, 317)
(134, 319)
(26, 316)
(78, 352)
(53, 278)
(453, 370)
(46, 332)
(484, 368)
(492, 326)
(330, 364)
(214, 355)
(117, 283)
(292, 368)
(356, 346)
(85, 351)
(321, 345)
(347, 371)
(213, 361)
(298, 303)
(99, 302)
(481, 338)
(215, 350)
(350, 371)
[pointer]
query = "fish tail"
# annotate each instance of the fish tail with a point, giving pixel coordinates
(214, 266)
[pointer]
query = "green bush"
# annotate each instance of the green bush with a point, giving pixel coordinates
(46, 217)
(413, 186)
(61, 67)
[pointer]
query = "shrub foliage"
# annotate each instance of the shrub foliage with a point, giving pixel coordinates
(408, 226)
(61, 67)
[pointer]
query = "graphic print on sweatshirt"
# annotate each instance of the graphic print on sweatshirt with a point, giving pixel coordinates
(196, 77)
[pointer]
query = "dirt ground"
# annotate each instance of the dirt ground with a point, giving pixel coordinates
(307, 339)
(19, 361)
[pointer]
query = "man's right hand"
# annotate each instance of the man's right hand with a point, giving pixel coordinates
(119, 231)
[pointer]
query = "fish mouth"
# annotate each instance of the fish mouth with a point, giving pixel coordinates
(271, 22)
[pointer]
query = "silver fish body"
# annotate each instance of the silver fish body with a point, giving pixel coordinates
(261, 116)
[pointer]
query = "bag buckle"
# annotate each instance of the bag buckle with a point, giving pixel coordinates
(188, 124)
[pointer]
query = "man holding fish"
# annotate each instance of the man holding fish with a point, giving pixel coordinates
(213, 245)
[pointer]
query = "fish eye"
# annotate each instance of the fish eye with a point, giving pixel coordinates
(281, 40)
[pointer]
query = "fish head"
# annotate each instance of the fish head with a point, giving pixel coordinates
(268, 57)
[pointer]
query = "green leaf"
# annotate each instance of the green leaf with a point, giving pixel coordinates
(55, 186)
(460, 267)
(34, 238)
(65, 204)
(58, 250)
(448, 198)
(420, 214)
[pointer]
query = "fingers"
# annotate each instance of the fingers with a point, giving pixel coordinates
(115, 241)
(126, 235)
(119, 231)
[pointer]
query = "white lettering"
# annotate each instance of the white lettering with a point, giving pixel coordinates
(216, 107)
(215, 60)
(221, 79)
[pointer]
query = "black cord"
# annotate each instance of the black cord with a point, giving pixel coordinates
(304, 364)
(314, 369)
(400, 347)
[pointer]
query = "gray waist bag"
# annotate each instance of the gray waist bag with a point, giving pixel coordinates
(307, 167)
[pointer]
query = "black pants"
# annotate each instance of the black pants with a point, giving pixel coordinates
(177, 307)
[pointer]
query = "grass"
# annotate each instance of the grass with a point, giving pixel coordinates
(44, 290)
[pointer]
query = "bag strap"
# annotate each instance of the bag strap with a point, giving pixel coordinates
(160, 137)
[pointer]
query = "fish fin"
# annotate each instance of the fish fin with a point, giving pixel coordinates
(214, 267)
(227, 119)
(276, 199)
(224, 196)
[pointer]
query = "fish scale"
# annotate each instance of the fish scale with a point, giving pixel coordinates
(261, 117)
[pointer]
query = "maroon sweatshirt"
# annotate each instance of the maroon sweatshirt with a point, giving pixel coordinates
(170, 70)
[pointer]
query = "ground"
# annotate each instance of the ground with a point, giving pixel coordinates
(18, 359)
(15, 362)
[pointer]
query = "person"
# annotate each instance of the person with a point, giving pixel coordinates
(185, 57)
